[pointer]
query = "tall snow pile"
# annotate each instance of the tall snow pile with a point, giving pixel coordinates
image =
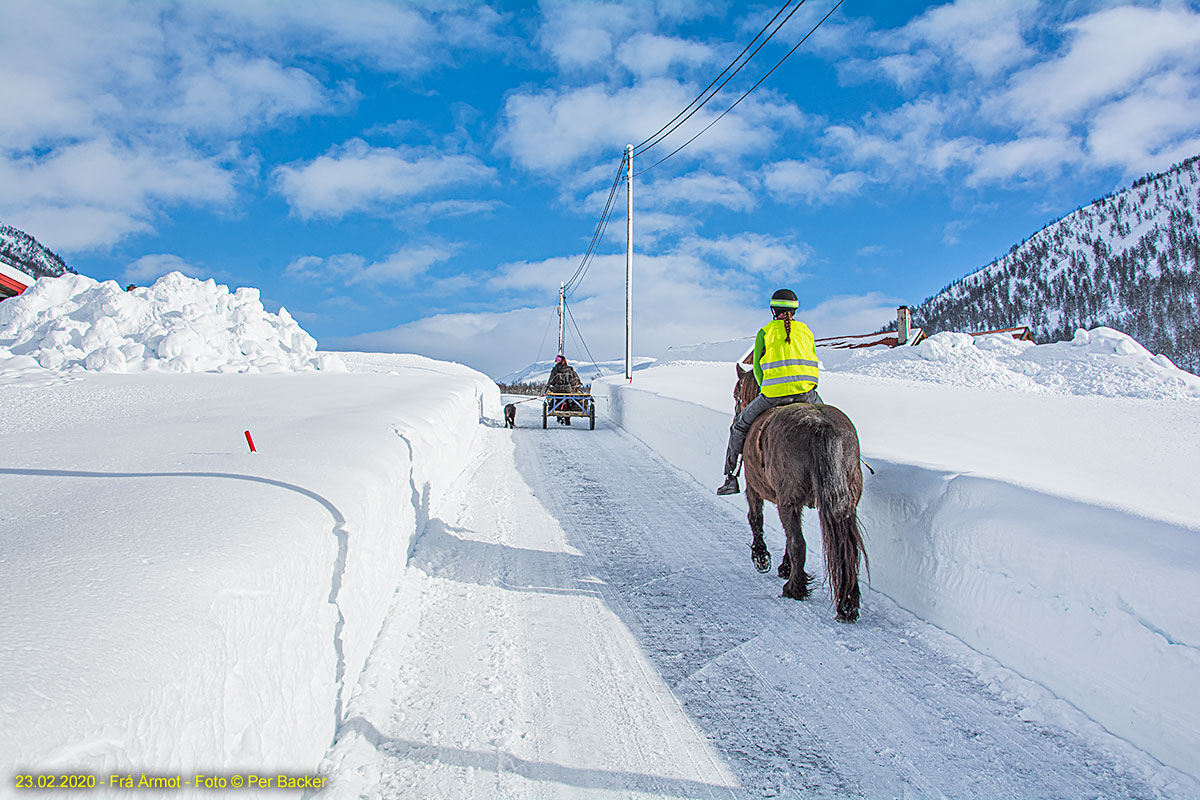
(179, 324)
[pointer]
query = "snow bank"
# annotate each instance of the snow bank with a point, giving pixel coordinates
(176, 604)
(1053, 529)
(1100, 362)
(179, 324)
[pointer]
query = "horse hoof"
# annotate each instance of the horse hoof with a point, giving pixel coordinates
(761, 559)
(848, 618)
(795, 593)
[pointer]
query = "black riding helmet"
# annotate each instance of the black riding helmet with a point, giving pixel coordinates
(784, 300)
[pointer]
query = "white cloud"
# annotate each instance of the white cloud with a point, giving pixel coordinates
(952, 230)
(1110, 53)
(94, 193)
(357, 177)
(551, 130)
(149, 110)
(400, 267)
(1157, 125)
(405, 38)
(676, 301)
(649, 227)
(810, 181)
(578, 35)
(983, 34)
(649, 55)
(235, 94)
(74, 227)
(1019, 94)
(755, 253)
(149, 268)
(698, 188)
(1027, 157)
(906, 69)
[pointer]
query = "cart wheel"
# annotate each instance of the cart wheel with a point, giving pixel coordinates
(543, 416)
(592, 416)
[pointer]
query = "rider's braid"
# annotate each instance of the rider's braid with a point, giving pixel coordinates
(787, 325)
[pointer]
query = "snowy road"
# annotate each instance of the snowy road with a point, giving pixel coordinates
(582, 620)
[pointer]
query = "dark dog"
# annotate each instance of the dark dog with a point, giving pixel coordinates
(510, 415)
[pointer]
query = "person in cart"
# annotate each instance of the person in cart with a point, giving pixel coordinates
(564, 380)
(785, 366)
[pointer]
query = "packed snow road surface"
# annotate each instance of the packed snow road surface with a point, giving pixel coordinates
(582, 620)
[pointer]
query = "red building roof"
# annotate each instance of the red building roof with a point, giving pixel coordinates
(13, 281)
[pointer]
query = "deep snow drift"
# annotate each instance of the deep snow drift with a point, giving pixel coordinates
(179, 324)
(174, 603)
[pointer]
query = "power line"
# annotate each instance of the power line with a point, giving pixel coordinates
(744, 96)
(682, 117)
(585, 347)
(604, 220)
(602, 225)
(544, 335)
(597, 236)
(638, 148)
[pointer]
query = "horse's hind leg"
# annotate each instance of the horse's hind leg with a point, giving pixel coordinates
(758, 547)
(797, 586)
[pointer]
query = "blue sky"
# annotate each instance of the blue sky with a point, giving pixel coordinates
(419, 177)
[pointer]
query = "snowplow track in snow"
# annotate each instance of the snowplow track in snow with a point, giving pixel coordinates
(798, 704)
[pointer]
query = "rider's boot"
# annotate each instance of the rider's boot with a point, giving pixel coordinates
(730, 486)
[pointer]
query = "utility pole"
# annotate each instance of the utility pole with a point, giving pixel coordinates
(561, 319)
(629, 262)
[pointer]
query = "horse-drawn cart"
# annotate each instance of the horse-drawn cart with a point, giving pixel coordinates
(565, 406)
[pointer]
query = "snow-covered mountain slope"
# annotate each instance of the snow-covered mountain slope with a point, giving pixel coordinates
(1129, 261)
(28, 254)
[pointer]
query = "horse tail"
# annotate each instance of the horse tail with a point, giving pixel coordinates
(838, 488)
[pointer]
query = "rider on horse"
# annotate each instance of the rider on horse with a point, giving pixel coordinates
(785, 366)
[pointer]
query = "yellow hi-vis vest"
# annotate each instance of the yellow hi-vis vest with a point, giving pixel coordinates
(788, 367)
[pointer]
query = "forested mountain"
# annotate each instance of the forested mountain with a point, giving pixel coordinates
(1130, 261)
(27, 254)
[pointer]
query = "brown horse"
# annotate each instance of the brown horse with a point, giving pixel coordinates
(802, 455)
